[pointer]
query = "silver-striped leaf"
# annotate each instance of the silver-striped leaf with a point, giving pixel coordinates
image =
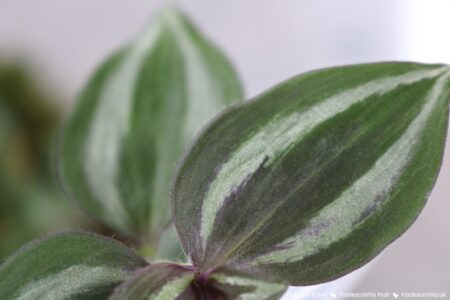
(167, 281)
(157, 282)
(67, 266)
(131, 122)
(315, 177)
(244, 287)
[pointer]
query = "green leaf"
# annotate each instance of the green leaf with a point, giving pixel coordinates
(169, 246)
(315, 177)
(135, 116)
(160, 281)
(244, 287)
(67, 266)
(166, 281)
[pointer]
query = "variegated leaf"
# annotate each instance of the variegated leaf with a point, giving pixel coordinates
(67, 266)
(123, 141)
(160, 281)
(166, 281)
(312, 179)
(244, 287)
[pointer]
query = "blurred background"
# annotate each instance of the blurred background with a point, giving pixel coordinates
(48, 48)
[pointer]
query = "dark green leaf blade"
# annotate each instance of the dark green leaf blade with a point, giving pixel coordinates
(132, 121)
(67, 266)
(312, 179)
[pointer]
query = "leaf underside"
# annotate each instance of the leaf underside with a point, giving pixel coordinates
(133, 119)
(315, 177)
(67, 266)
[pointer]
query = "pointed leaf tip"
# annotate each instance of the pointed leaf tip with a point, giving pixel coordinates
(137, 113)
(314, 178)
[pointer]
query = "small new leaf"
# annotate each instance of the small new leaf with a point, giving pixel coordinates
(159, 281)
(315, 177)
(137, 113)
(67, 266)
(166, 281)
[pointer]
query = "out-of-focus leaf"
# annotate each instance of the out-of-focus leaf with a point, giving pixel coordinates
(145, 103)
(170, 281)
(30, 200)
(67, 266)
(5, 135)
(312, 179)
(32, 116)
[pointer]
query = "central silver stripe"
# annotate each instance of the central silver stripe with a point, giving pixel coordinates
(339, 218)
(110, 125)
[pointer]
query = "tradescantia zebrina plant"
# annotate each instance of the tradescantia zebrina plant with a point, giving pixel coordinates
(305, 183)
(301, 185)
